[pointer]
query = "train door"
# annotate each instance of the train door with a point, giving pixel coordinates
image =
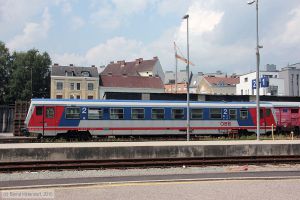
(50, 120)
(294, 117)
(263, 120)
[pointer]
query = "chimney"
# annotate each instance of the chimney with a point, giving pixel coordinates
(55, 64)
(122, 63)
(138, 61)
(93, 65)
(155, 58)
(111, 62)
(71, 65)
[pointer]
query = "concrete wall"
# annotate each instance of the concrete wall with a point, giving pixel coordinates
(142, 152)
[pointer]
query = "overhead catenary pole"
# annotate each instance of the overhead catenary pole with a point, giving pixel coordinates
(188, 80)
(257, 74)
(176, 65)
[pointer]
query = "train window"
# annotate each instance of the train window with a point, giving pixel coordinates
(50, 112)
(178, 113)
(137, 113)
(72, 113)
(215, 113)
(244, 114)
(39, 111)
(268, 112)
(197, 113)
(285, 110)
(116, 113)
(232, 114)
(158, 113)
(95, 113)
(294, 110)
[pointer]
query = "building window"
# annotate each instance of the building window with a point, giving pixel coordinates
(71, 96)
(78, 86)
(72, 86)
(72, 113)
(178, 113)
(90, 86)
(232, 114)
(158, 113)
(95, 113)
(85, 74)
(70, 73)
(50, 112)
(246, 79)
(78, 97)
(197, 113)
(244, 114)
(137, 113)
(241, 92)
(59, 96)
(116, 113)
(59, 85)
(215, 113)
(90, 97)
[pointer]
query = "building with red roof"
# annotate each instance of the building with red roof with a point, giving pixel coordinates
(218, 85)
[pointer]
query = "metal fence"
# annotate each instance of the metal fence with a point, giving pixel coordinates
(6, 118)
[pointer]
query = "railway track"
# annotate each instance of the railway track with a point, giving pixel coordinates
(136, 163)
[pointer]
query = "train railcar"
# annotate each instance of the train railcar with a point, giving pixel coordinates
(288, 116)
(51, 117)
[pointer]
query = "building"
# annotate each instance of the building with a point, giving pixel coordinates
(133, 84)
(170, 85)
(134, 76)
(139, 67)
(290, 75)
(70, 82)
(217, 85)
(276, 84)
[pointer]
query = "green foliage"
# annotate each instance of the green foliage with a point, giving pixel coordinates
(28, 75)
(5, 71)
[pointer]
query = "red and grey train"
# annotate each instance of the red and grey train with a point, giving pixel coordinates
(53, 117)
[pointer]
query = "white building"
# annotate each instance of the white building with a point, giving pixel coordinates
(291, 76)
(276, 84)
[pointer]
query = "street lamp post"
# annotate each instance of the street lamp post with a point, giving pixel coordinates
(188, 80)
(257, 72)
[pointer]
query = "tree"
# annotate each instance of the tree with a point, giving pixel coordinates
(5, 71)
(30, 76)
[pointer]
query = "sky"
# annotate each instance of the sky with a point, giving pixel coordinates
(222, 34)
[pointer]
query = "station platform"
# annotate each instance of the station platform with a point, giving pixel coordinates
(145, 150)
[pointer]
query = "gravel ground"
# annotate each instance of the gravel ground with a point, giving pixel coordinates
(31, 175)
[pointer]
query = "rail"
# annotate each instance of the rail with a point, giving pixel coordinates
(136, 163)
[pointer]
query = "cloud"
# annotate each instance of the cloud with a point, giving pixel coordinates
(291, 34)
(166, 7)
(15, 13)
(77, 23)
(111, 15)
(68, 58)
(117, 48)
(32, 33)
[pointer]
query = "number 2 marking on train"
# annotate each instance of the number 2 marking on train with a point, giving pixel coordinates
(225, 111)
(84, 110)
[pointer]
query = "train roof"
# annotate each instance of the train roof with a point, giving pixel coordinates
(285, 104)
(153, 103)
